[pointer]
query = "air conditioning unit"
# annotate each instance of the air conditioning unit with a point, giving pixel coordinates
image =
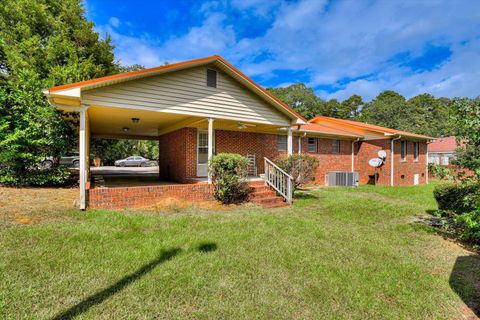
(342, 179)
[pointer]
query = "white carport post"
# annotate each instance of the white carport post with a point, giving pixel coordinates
(290, 142)
(210, 146)
(83, 157)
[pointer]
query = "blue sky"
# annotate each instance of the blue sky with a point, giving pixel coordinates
(339, 48)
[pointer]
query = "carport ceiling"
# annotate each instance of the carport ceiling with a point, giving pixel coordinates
(106, 121)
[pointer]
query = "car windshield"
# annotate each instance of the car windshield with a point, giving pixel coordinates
(130, 158)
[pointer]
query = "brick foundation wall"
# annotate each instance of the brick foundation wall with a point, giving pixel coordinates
(123, 197)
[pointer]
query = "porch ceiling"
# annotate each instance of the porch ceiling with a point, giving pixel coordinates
(109, 122)
(106, 121)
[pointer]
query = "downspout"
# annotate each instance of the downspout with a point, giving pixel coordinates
(353, 153)
(392, 158)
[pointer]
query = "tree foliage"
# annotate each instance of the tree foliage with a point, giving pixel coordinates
(301, 98)
(42, 43)
(109, 150)
(467, 119)
(422, 114)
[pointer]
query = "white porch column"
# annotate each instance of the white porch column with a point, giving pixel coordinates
(290, 142)
(299, 144)
(210, 145)
(83, 165)
(426, 165)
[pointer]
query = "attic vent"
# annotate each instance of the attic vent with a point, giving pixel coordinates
(211, 78)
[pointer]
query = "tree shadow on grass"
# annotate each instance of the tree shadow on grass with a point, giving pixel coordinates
(207, 247)
(106, 293)
(465, 281)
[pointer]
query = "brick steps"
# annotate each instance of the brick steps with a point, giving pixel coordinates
(265, 196)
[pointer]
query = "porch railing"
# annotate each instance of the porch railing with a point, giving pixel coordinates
(279, 180)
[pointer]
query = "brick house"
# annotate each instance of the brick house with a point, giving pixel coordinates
(205, 106)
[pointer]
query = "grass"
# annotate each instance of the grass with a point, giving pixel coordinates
(335, 254)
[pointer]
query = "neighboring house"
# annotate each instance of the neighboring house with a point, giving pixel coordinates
(205, 106)
(442, 150)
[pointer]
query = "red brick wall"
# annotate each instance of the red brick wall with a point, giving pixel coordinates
(243, 143)
(124, 197)
(171, 157)
(368, 150)
(403, 170)
(178, 155)
(328, 160)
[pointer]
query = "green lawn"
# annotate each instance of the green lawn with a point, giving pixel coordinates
(336, 253)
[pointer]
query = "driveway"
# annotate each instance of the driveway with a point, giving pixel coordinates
(110, 176)
(125, 171)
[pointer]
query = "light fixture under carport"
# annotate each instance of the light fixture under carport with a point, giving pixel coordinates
(135, 120)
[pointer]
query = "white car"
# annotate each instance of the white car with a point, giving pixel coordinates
(134, 161)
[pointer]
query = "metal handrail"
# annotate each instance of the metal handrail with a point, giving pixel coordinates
(279, 180)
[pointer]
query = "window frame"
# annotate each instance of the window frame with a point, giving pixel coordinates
(403, 150)
(280, 143)
(416, 150)
(336, 146)
(315, 145)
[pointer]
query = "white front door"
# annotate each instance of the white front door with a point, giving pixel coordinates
(202, 152)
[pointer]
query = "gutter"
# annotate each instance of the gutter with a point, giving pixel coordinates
(353, 153)
(392, 153)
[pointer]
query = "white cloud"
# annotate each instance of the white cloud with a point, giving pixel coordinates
(114, 21)
(331, 42)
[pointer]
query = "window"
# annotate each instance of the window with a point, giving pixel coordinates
(211, 78)
(336, 146)
(445, 160)
(312, 145)
(282, 143)
(415, 151)
(403, 150)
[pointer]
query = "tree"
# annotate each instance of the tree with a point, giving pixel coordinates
(42, 43)
(30, 130)
(109, 150)
(301, 98)
(350, 108)
(390, 109)
(433, 115)
(467, 120)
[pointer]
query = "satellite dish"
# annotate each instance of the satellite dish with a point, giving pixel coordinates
(382, 154)
(375, 162)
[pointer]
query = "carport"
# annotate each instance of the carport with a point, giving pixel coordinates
(180, 105)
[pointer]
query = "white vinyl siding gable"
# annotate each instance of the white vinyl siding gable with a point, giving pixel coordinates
(186, 92)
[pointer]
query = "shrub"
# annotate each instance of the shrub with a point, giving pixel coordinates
(469, 226)
(229, 173)
(440, 172)
(300, 166)
(458, 198)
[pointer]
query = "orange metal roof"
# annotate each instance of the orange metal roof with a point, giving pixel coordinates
(324, 129)
(172, 67)
(358, 127)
